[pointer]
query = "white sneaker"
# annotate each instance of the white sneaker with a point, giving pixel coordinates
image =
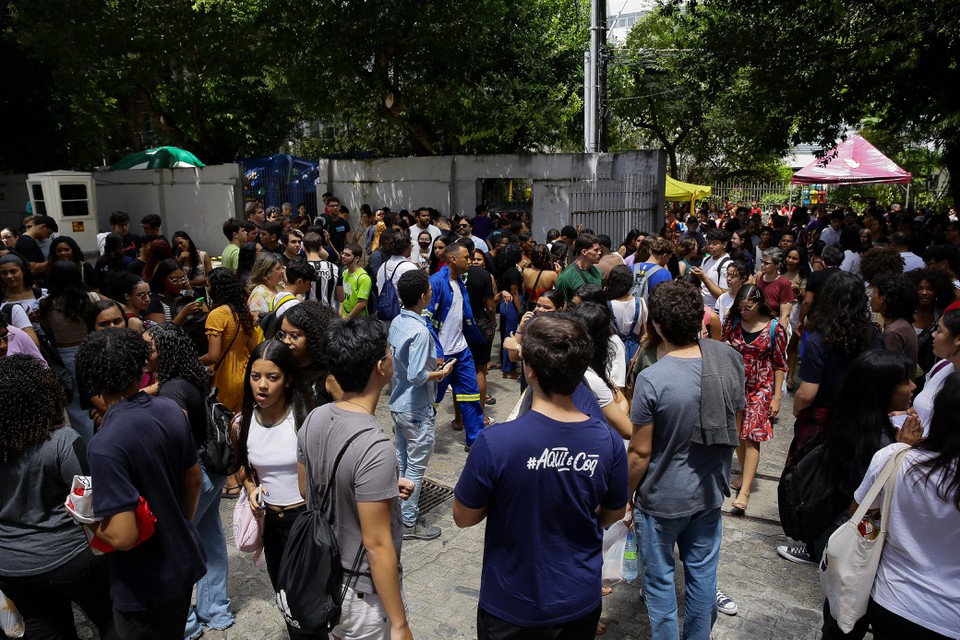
(725, 604)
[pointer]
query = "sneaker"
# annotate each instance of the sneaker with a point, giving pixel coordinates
(725, 604)
(799, 554)
(467, 447)
(421, 531)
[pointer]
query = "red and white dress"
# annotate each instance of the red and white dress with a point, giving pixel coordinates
(760, 360)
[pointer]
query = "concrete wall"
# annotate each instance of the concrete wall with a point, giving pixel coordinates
(450, 183)
(197, 201)
(13, 199)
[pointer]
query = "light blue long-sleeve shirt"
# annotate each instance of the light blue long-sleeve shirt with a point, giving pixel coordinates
(414, 357)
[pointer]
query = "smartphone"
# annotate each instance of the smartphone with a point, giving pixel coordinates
(199, 300)
(450, 361)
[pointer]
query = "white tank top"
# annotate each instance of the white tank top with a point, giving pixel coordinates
(272, 451)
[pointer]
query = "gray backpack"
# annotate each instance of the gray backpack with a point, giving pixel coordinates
(641, 280)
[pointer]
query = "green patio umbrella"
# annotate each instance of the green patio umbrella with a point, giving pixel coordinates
(158, 158)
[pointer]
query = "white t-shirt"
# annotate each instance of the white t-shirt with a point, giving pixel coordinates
(911, 261)
(851, 262)
(19, 318)
(716, 270)
(625, 312)
(923, 403)
(599, 388)
(724, 302)
(273, 452)
(451, 333)
(919, 574)
(618, 361)
(395, 267)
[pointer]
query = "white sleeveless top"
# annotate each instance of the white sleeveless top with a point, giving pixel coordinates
(272, 451)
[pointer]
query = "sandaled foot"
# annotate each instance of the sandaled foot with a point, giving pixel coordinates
(601, 628)
(736, 484)
(230, 493)
(605, 591)
(739, 506)
(456, 425)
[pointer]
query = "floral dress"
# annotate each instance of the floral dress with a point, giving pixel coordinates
(760, 360)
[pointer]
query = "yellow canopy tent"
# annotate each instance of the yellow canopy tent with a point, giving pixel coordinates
(684, 191)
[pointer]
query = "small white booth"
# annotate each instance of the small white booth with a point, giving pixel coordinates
(69, 197)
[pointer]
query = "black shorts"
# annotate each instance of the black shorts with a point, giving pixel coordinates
(481, 353)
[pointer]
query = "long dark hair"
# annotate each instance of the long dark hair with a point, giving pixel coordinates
(856, 427)
(842, 314)
(225, 290)
(70, 242)
(245, 260)
(177, 357)
(312, 318)
(595, 320)
(66, 292)
(296, 395)
(195, 262)
(943, 439)
(160, 273)
(113, 252)
(508, 259)
(751, 293)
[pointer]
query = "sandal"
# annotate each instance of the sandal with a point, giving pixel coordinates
(605, 591)
(739, 506)
(737, 484)
(601, 628)
(489, 400)
(230, 493)
(456, 425)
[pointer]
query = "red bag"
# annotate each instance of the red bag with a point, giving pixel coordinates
(146, 525)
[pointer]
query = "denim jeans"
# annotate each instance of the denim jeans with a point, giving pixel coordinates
(415, 433)
(697, 537)
(511, 320)
(213, 605)
(79, 418)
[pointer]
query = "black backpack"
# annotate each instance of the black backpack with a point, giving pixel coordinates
(388, 303)
(310, 586)
(805, 502)
(217, 446)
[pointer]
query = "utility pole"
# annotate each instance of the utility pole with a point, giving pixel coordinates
(595, 81)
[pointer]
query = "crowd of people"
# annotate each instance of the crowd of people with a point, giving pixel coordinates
(641, 368)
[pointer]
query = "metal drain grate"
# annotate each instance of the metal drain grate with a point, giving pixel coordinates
(432, 495)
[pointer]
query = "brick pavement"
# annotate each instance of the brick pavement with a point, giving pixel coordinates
(776, 599)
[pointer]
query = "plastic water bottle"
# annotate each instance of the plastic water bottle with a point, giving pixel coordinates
(630, 567)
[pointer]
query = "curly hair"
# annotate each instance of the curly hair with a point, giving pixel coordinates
(842, 314)
(879, 260)
(312, 318)
(677, 309)
(176, 356)
(28, 418)
(508, 258)
(66, 292)
(541, 258)
(296, 395)
(225, 290)
(939, 281)
(353, 349)
(111, 361)
(900, 296)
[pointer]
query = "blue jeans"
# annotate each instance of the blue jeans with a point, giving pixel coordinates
(79, 418)
(415, 433)
(698, 538)
(213, 605)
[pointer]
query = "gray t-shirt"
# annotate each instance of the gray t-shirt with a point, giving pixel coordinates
(368, 473)
(683, 478)
(36, 533)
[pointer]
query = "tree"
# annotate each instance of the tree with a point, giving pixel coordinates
(810, 69)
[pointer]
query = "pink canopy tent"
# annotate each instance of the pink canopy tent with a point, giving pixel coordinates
(853, 161)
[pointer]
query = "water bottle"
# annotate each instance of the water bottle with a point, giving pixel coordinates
(630, 567)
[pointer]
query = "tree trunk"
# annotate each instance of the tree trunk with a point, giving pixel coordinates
(951, 160)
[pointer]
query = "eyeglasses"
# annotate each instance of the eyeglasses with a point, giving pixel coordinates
(5, 336)
(7, 237)
(143, 295)
(767, 262)
(749, 307)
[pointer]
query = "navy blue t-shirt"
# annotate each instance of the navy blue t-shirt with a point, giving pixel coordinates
(542, 481)
(144, 448)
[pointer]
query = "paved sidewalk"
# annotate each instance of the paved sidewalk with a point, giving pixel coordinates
(776, 599)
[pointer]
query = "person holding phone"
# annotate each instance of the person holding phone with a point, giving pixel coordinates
(415, 377)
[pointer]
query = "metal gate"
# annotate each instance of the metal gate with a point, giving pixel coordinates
(614, 206)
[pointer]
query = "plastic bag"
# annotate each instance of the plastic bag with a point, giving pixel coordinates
(11, 622)
(614, 542)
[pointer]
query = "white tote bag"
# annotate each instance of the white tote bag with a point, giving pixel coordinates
(849, 564)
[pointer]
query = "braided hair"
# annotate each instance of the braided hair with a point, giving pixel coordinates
(28, 418)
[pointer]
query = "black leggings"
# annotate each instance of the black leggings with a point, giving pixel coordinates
(886, 625)
(45, 600)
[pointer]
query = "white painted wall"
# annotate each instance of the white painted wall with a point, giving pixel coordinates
(450, 183)
(197, 201)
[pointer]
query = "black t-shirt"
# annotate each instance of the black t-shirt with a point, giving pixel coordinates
(490, 263)
(190, 399)
(817, 279)
(508, 278)
(479, 289)
(338, 232)
(144, 448)
(30, 249)
(130, 243)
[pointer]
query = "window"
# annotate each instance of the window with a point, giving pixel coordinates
(39, 207)
(73, 199)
